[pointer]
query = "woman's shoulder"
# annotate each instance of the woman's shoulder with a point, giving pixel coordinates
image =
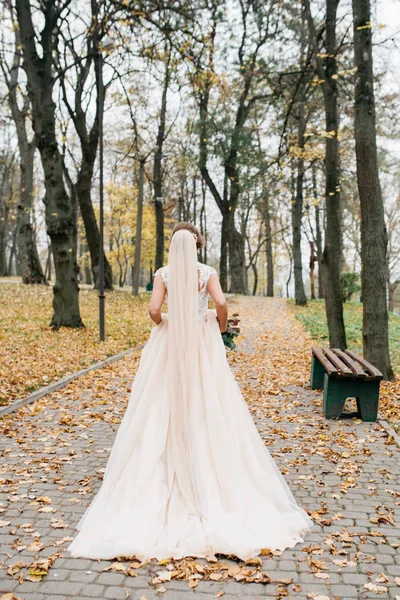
(163, 273)
(205, 273)
(206, 268)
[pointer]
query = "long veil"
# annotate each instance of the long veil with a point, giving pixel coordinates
(182, 344)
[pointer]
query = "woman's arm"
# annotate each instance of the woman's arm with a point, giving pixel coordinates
(157, 299)
(216, 293)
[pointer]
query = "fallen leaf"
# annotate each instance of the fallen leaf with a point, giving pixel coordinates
(45, 499)
(161, 590)
(4, 523)
(378, 589)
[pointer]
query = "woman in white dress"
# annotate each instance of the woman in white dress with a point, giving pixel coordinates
(188, 473)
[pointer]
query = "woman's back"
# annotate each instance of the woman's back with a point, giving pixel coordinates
(204, 274)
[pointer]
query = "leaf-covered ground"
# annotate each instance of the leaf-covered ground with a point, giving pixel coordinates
(33, 356)
(313, 318)
(342, 472)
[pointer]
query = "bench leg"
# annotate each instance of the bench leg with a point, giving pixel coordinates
(367, 400)
(336, 392)
(334, 397)
(317, 374)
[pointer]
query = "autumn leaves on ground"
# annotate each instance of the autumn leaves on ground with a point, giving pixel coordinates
(56, 450)
(33, 355)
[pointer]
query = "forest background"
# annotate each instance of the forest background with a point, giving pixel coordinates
(272, 126)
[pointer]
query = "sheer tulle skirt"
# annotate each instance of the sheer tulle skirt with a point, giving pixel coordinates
(243, 503)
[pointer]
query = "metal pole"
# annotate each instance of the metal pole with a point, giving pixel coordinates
(101, 224)
(138, 239)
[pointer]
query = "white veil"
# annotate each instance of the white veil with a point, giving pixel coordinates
(182, 344)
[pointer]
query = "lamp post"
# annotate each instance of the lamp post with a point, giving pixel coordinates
(108, 46)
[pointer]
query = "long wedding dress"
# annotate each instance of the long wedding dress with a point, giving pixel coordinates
(188, 473)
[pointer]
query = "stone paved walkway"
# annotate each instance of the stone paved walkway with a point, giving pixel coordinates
(346, 473)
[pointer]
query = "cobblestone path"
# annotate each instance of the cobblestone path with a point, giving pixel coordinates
(345, 473)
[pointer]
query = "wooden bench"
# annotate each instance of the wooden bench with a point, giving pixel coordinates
(345, 375)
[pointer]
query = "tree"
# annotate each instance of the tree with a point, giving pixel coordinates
(248, 89)
(60, 222)
(373, 229)
(331, 257)
(318, 228)
(157, 165)
(8, 184)
(30, 266)
(88, 135)
(297, 202)
(392, 214)
(268, 247)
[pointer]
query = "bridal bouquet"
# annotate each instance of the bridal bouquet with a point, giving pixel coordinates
(231, 332)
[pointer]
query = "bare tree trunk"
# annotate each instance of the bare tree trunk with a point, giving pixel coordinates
(318, 232)
(59, 212)
(332, 254)
(228, 201)
(89, 140)
(3, 234)
(203, 221)
(83, 188)
(297, 200)
(268, 247)
(138, 237)
(5, 194)
(373, 229)
(87, 273)
(30, 266)
(48, 263)
(3, 262)
(297, 214)
(392, 287)
(157, 170)
(290, 267)
(180, 208)
(319, 252)
(312, 272)
(223, 257)
(13, 254)
(237, 265)
(255, 273)
(331, 257)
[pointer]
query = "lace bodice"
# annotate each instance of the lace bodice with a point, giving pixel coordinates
(205, 273)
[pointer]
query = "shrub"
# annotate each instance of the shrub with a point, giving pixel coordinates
(349, 285)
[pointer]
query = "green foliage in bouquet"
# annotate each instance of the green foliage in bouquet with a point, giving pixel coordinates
(232, 331)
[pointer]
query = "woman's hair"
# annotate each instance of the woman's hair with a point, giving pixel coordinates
(200, 242)
(183, 348)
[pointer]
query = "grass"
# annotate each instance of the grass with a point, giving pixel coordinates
(33, 355)
(313, 317)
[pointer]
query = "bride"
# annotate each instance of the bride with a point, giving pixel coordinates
(188, 473)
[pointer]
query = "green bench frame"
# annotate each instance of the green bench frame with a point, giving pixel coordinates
(345, 375)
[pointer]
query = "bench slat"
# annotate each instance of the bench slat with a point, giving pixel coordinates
(328, 366)
(354, 366)
(339, 364)
(376, 374)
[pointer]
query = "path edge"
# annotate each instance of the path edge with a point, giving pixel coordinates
(389, 429)
(49, 389)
